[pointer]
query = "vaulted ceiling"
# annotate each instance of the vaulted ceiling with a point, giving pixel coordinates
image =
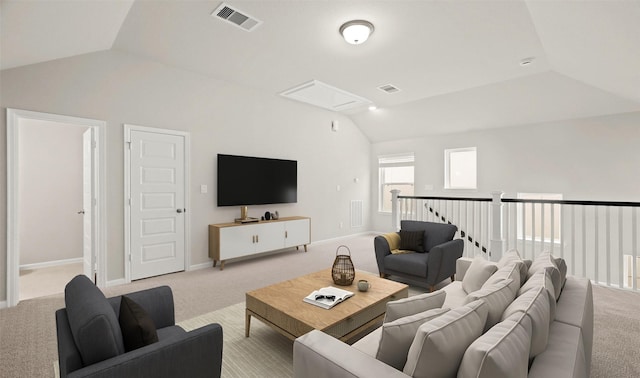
(457, 63)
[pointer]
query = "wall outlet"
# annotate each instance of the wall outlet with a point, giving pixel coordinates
(337, 188)
(341, 224)
(203, 189)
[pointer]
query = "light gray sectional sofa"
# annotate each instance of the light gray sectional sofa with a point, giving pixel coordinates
(511, 319)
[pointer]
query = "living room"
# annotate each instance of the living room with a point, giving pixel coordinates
(565, 124)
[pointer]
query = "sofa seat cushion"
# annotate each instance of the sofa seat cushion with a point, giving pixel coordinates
(564, 355)
(497, 297)
(535, 304)
(439, 344)
(455, 295)
(92, 319)
(169, 332)
(502, 352)
(413, 305)
(435, 233)
(370, 343)
(477, 274)
(398, 335)
(414, 264)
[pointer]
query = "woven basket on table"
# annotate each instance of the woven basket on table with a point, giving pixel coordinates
(343, 272)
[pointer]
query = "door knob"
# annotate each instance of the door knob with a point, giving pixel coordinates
(179, 210)
(81, 212)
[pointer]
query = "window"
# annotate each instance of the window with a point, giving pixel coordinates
(460, 168)
(395, 172)
(539, 218)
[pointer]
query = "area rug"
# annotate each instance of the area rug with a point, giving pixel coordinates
(266, 353)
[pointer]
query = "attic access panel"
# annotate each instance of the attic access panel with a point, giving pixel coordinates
(325, 96)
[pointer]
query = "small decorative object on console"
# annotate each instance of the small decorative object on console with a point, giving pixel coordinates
(343, 272)
(267, 216)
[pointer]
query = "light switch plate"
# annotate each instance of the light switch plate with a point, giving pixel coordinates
(203, 189)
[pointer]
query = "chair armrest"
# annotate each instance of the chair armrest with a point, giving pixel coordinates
(68, 355)
(442, 260)
(462, 265)
(319, 355)
(381, 247)
(157, 302)
(193, 354)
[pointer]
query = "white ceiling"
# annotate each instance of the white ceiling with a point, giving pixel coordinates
(456, 62)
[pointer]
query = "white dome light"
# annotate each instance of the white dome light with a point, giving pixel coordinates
(357, 31)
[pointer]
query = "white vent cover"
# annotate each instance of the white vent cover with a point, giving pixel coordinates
(356, 213)
(325, 96)
(236, 17)
(389, 88)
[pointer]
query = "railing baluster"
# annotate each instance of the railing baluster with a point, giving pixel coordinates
(561, 231)
(573, 240)
(533, 231)
(543, 232)
(608, 244)
(584, 241)
(620, 248)
(553, 233)
(595, 243)
(634, 247)
(524, 231)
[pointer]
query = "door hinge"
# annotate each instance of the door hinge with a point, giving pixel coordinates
(129, 257)
(129, 201)
(94, 201)
(94, 144)
(129, 143)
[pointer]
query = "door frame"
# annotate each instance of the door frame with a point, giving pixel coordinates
(14, 116)
(128, 128)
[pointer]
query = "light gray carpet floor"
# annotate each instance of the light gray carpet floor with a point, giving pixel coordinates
(28, 336)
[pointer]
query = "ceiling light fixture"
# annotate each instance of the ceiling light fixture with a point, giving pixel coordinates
(357, 31)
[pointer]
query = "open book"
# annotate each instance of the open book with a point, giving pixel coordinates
(327, 297)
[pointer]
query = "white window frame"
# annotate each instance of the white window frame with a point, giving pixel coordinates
(448, 168)
(390, 161)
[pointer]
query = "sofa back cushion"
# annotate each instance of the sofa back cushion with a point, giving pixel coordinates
(439, 344)
(535, 304)
(546, 261)
(397, 336)
(478, 273)
(434, 233)
(542, 278)
(94, 325)
(497, 297)
(512, 256)
(502, 352)
(507, 272)
(413, 305)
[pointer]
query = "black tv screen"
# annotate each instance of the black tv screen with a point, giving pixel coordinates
(245, 180)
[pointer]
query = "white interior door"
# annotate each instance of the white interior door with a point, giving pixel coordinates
(88, 159)
(157, 203)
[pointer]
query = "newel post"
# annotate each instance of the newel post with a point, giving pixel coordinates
(395, 209)
(497, 241)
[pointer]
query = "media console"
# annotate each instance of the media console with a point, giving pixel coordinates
(231, 240)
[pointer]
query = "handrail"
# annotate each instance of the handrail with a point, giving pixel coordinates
(521, 200)
(472, 199)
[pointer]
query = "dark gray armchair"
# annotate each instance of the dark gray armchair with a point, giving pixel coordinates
(431, 267)
(90, 342)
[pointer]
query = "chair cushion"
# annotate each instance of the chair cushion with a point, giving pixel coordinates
(497, 297)
(412, 240)
(94, 325)
(478, 273)
(408, 263)
(413, 305)
(398, 335)
(435, 233)
(439, 344)
(502, 352)
(535, 304)
(138, 329)
(546, 261)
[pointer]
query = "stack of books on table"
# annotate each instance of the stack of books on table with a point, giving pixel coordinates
(327, 297)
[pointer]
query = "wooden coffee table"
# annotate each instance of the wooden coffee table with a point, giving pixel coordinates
(281, 305)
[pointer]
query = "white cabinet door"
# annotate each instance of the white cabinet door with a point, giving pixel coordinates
(237, 241)
(270, 236)
(297, 232)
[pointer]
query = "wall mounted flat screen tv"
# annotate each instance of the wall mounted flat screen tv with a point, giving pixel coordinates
(245, 180)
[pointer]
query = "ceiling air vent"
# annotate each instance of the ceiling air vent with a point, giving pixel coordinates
(236, 17)
(389, 88)
(325, 96)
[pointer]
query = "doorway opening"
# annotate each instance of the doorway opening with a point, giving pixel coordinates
(55, 196)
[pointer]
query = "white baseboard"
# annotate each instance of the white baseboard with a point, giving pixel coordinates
(3, 304)
(204, 265)
(119, 281)
(48, 264)
(343, 237)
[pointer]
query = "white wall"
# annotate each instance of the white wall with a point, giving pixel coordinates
(50, 175)
(587, 159)
(221, 117)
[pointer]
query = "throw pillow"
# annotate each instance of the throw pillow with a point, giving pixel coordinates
(507, 272)
(502, 352)
(397, 336)
(535, 304)
(439, 344)
(92, 319)
(497, 297)
(138, 329)
(546, 261)
(478, 273)
(562, 267)
(413, 305)
(412, 240)
(512, 256)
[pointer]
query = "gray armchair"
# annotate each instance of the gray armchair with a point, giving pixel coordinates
(90, 342)
(436, 264)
